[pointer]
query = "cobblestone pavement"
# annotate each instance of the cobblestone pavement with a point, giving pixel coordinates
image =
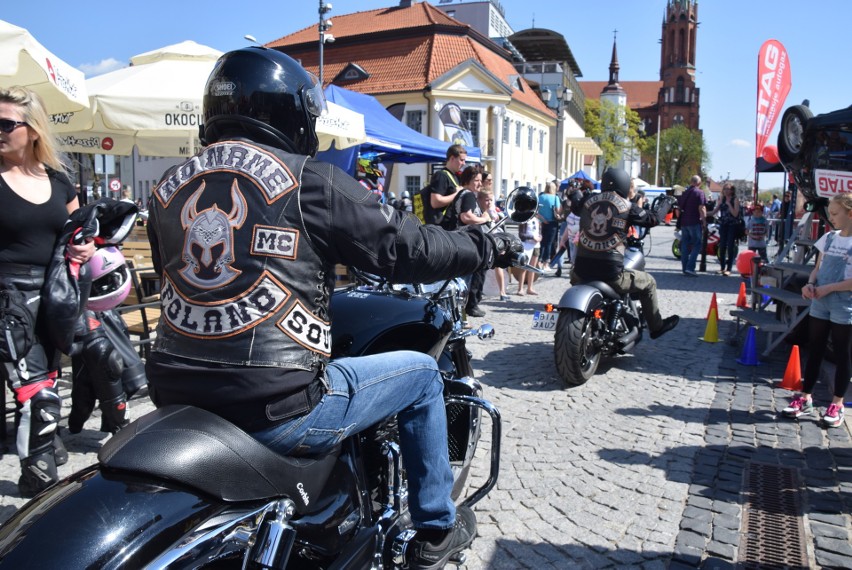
(642, 466)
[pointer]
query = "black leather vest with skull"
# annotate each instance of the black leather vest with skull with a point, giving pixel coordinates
(241, 284)
(603, 228)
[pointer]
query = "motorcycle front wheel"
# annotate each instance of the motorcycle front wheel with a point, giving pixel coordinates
(576, 355)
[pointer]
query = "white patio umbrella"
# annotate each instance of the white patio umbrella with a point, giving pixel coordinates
(341, 126)
(155, 104)
(24, 61)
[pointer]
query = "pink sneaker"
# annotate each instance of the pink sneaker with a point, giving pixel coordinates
(833, 416)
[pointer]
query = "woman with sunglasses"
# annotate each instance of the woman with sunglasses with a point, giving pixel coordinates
(36, 197)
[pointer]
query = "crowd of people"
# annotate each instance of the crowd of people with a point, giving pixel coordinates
(283, 388)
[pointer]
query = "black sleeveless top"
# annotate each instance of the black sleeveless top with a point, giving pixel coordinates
(28, 231)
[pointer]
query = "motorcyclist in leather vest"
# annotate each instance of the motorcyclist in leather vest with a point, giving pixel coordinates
(605, 219)
(245, 236)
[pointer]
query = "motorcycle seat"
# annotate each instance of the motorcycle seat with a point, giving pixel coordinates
(199, 449)
(605, 288)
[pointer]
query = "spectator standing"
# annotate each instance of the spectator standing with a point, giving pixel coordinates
(530, 234)
(405, 201)
(550, 214)
(783, 212)
(464, 211)
(486, 205)
(757, 230)
(726, 213)
(37, 197)
(693, 215)
(830, 289)
(774, 214)
(443, 186)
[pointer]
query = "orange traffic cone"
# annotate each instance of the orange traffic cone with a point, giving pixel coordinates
(742, 302)
(793, 374)
(711, 332)
(713, 306)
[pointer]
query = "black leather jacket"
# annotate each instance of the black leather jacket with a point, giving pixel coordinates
(246, 237)
(605, 218)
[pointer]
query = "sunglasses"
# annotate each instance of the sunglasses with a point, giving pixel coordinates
(8, 125)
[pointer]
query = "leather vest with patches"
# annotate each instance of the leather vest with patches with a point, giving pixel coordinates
(241, 284)
(603, 227)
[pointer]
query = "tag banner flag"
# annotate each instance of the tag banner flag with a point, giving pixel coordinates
(773, 85)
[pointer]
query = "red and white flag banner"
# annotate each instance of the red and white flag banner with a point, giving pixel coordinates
(773, 85)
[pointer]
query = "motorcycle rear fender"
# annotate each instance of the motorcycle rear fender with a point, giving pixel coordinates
(581, 298)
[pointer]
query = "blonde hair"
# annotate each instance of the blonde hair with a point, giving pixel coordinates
(550, 188)
(35, 116)
(844, 200)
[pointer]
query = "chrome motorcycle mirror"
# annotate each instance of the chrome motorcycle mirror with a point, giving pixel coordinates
(521, 205)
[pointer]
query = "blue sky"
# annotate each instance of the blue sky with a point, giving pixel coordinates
(97, 36)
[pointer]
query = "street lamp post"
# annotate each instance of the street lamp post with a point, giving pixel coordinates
(563, 97)
(324, 36)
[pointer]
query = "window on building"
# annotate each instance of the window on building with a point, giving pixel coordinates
(677, 120)
(504, 187)
(413, 184)
(517, 133)
(529, 137)
(414, 120)
(541, 141)
(472, 120)
(506, 125)
(679, 91)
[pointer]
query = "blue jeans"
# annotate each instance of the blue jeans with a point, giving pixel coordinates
(548, 239)
(366, 390)
(728, 245)
(690, 246)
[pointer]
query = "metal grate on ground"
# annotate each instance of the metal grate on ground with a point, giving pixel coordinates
(773, 530)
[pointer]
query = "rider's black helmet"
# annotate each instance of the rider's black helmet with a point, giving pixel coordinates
(616, 180)
(265, 96)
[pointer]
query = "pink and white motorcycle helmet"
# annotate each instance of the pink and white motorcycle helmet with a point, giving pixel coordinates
(110, 279)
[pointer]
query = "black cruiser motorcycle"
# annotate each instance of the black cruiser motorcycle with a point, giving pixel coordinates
(593, 321)
(183, 488)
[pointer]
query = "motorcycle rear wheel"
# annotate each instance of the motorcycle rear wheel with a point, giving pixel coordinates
(576, 357)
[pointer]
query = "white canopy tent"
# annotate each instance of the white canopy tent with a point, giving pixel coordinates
(25, 62)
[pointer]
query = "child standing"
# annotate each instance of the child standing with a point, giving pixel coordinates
(530, 234)
(756, 228)
(830, 289)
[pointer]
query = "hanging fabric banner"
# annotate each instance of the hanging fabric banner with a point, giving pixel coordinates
(773, 85)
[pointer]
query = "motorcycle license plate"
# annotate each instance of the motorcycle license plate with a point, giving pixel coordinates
(544, 321)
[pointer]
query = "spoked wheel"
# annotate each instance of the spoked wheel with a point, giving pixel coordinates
(577, 356)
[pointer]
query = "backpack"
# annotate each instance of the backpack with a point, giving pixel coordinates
(419, 199)
(452, 213)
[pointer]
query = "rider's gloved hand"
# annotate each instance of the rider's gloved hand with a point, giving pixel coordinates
(507, 249)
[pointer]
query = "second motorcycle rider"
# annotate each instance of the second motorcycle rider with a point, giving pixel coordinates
(605, 218)
(245, 236)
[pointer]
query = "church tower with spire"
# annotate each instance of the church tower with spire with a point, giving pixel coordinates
(678, 101)
(613, 91)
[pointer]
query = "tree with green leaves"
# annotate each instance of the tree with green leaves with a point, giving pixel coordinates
(682, 154)
(616, 129)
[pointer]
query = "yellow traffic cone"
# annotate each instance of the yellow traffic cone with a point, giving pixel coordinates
(711, 332)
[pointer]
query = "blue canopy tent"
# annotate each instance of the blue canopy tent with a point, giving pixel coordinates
(386, 135)
(581, 175)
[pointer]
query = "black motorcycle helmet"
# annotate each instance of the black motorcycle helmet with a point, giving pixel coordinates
(616, 180)
(263, 95)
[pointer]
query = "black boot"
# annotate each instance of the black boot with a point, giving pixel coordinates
(59, 451)
(114, 414)
(38, 472)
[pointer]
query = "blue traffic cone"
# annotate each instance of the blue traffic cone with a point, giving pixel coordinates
(749, 355)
